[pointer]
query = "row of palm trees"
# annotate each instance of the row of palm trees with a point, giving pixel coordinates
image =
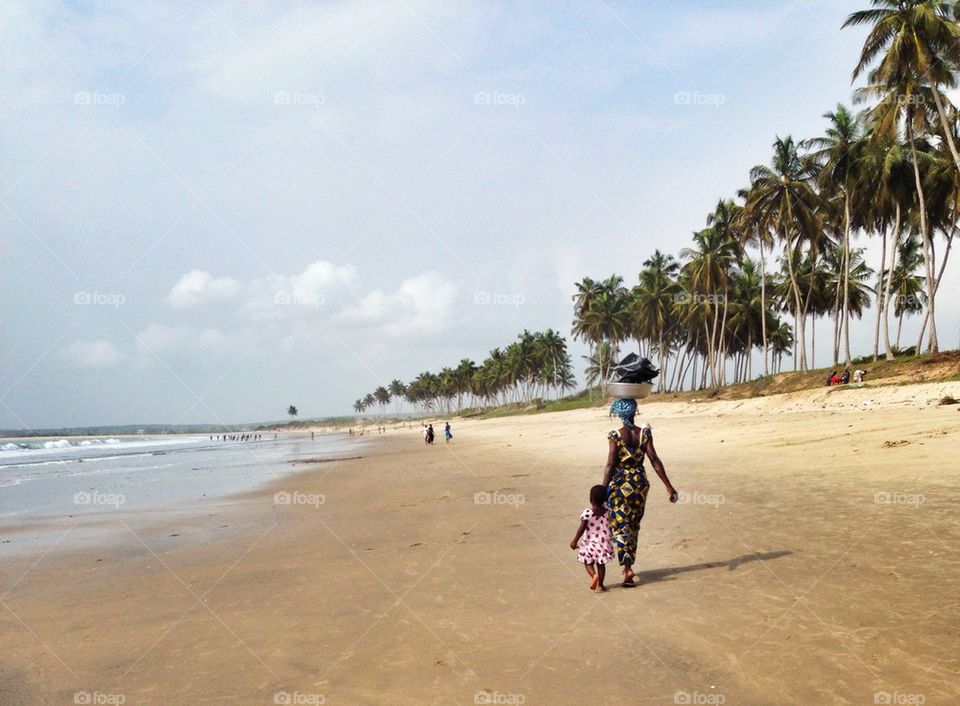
(535, 366)
(891, 172)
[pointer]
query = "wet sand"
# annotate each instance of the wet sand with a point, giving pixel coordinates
(816, 560)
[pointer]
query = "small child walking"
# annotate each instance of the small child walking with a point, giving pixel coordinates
(597, 547)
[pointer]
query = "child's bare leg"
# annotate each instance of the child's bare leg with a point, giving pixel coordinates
(601, 572)
(590, 570)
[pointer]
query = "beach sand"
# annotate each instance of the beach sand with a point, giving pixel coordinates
(816, 560)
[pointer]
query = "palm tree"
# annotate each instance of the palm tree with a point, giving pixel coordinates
(915, 41)
(292, 411)
(601, 316)
(783, 199)
(397, 391)
(839, 154)
(652, 305)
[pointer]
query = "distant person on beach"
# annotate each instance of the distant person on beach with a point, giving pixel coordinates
(830, 377)
(430, 434)
(858, 375)
(626, 482)
(835, 379)
(424, 431)
(845, 378)
(447, 434)
(597, 547)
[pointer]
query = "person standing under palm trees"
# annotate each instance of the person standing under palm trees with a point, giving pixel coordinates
(627, 485)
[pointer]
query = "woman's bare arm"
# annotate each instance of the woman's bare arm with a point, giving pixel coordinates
(611, 462)
(661, 471)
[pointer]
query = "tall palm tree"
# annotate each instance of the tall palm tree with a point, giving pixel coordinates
(914, 41)
(783, 199)
(652, 305)
(839, 154)
(397, 391)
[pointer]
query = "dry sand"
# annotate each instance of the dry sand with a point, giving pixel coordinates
(785, 578)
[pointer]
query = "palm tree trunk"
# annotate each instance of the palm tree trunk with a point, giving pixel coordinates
(846, 278)
(798, 333)
(763, 303)
(878, 295)
(888, 287)
(934, 346)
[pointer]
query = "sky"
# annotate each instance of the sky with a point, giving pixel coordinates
(210, 211)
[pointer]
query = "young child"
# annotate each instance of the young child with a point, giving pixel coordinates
(597, 547)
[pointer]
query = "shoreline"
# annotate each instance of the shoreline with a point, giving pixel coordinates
(400, 587)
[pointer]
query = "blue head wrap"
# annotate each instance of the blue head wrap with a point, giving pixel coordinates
(626, 409)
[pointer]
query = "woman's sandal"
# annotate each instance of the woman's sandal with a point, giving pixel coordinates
(628, 579)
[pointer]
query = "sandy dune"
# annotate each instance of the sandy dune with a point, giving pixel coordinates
(816, 561)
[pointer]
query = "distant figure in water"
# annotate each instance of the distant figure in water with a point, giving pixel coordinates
(627, 484)
(447, 434)
(597, 547)
(311, 436)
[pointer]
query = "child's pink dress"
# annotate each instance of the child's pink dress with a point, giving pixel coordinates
(596, 544)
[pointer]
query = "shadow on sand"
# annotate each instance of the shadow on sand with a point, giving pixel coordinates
(655, 575)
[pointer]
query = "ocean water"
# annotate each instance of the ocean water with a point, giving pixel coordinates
(58, 478)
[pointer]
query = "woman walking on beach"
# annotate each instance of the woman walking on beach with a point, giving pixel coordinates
(627, 484)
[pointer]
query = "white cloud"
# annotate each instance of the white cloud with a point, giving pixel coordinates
(422, 304)
(199, 287)
(92, 354)
(305, 294)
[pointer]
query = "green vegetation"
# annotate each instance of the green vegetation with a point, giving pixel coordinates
(889, 172)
